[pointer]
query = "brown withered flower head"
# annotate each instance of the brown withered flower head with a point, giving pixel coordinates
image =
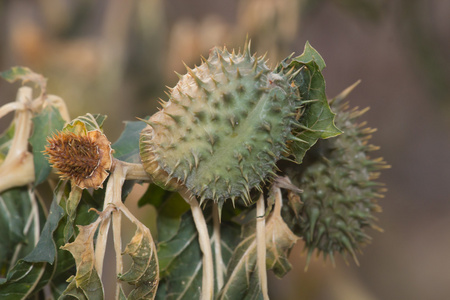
(82, 158)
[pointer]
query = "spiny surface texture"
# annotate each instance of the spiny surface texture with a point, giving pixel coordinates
(339, 188)
(223, 129)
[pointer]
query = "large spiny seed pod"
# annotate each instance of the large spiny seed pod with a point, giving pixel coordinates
(339, 187)
(223, 129)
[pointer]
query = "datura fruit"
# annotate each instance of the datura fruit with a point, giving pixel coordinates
(226, 124)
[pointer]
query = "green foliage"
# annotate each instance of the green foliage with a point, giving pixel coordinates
(46, 123)
(316, 119)
(232, 128)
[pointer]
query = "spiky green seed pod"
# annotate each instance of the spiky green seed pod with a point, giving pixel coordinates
(223, 129)
(340, 192)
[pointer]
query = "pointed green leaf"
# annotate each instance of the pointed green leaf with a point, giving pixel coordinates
(180, 257)
(242, 280)
(127, 146)
(16, 238)
(45, 123)
(311, 55)
(317, 119)
(32, 272)
(45, 250)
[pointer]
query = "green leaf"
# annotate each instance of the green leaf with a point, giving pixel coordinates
(143, 273)
(16, 239)
(35, 270)
(45, 123)
(5, 141)
(317, 119)
(25, 74)
(180, 257)
(71, 211)
(45, 250)
(311, 55)
(127, 146)
(91, 289)
(242, 281)
(170, 206)
(21, 280)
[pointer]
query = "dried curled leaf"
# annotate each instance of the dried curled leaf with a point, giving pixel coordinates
(86, 281)
(144, 273)
(25, 74)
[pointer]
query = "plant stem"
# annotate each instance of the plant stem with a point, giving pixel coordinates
(59, 103)
(118, 179)
(261, 245)
(18, 168)
(117, 232)
(133, 171)
(102, 237)
(220, 270)
(9, 107)
(205, 246)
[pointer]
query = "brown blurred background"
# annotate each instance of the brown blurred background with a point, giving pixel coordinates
(116, 57)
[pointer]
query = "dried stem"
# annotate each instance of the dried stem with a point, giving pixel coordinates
(102, 237)
(261, 245)
(205, 246)
(18, 168)
(118, 179)
(59, 103)
(117, 232)
(220, 268)
(9, 107)
(133, 171)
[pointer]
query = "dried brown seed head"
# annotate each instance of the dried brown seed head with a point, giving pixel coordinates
(82, 158)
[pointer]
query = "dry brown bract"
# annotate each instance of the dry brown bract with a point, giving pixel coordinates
(84, 159)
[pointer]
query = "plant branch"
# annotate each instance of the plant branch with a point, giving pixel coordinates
(261, 245)
(220, 268)
(18, 167)
(118, 179)
(133, 171)
(205, 246)
(9, 107)
(102, 237)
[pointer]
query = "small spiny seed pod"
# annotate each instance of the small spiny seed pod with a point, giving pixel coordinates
(82, 158)
(339, 188)
(223, 129)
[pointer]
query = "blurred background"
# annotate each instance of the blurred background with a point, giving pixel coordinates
(116, 57)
